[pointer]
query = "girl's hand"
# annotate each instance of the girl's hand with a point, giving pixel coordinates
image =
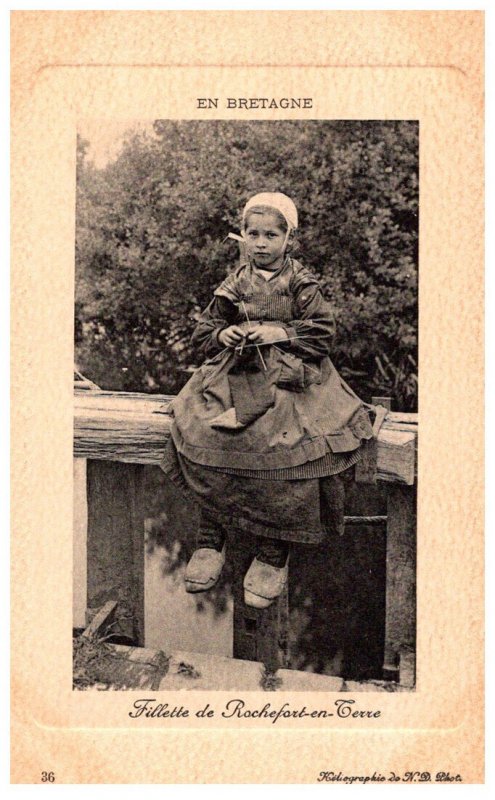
(231, 336)
(265, 334)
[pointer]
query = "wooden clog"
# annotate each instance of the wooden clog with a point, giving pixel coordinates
(263, 584)
(204, 569)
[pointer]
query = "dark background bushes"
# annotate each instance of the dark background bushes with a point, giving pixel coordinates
(150, 243)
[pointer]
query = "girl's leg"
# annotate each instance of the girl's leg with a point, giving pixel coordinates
(206, 563)
(274, 552)
(266, 578)
(211, 533)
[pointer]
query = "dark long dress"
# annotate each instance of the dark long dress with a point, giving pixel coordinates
(259, 437)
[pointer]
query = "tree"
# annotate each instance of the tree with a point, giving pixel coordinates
(150, 242)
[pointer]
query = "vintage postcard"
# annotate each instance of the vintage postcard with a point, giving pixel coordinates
(247, 397)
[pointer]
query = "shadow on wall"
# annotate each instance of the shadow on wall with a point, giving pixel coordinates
(336, 592)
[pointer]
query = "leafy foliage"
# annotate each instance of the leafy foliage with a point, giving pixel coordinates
(150, 249)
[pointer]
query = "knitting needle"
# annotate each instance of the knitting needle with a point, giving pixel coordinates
(294, 338)
(249, 323)
(239, 350)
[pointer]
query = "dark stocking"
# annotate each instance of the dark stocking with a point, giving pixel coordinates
(210, 533)
(273, 551)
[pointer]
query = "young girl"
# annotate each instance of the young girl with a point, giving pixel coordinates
(262, 431)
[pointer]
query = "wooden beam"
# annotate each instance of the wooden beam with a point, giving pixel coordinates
(133, 428)
(121, 426)
(396, 460)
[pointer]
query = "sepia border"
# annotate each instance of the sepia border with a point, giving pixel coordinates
(355, 65)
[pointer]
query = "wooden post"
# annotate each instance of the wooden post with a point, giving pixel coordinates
(366, 470)
(400, 613)
(259, 635)
(115, 550)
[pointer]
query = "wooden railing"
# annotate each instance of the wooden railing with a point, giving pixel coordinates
(119, 433)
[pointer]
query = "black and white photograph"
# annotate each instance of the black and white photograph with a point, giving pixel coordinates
(246, 405)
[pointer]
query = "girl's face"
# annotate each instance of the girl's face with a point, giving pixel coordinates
(265, 240)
